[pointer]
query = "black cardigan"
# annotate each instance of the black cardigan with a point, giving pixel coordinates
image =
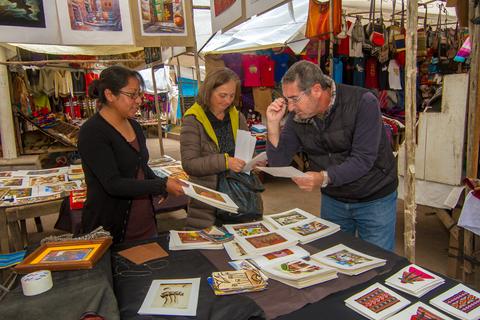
(110, 164)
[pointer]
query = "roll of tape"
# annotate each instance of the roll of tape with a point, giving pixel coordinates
(37, 282)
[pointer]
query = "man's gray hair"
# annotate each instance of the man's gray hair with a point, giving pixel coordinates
(306, 74)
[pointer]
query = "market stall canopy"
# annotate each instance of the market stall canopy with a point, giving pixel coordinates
(285, 25)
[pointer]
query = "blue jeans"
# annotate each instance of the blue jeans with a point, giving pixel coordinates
(374, 221)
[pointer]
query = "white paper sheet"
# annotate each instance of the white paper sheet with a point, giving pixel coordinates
(249, 165)
(284, 172)
(244, 145)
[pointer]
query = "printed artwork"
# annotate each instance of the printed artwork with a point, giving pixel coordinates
(266, 240)
(222, 5)
(309, 228)
(11, 182)
(424, 314)
(172, 295)
(42, 172)
(250, 230)
(414, 275)
(20, 192)
(463, 301)
(69, 186)
(4, 174)
(289, 218)
(347, 258)
(67, 255)
(190, 237)
(207, 193)
(237, 280)
(36, 181)
(26, 13)
(278, 254)
(162, 17)
(377, 300)
(95, 15)
(298, 267)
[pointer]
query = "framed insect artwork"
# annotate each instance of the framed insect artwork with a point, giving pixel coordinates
(171, 297)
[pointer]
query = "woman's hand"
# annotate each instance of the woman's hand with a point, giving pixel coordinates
(235, 164)
(174, 187)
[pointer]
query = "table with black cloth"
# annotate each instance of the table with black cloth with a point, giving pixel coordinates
(131, 283)
(73, 293)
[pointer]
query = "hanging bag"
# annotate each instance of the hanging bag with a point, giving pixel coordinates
(245, 190)
(358, 33)
(377, 37)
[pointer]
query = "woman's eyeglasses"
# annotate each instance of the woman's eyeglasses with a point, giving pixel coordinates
(133, 95)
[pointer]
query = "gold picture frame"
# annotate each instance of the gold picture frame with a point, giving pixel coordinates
(65, 255)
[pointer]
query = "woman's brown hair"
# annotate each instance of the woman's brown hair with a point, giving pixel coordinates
(214, 80)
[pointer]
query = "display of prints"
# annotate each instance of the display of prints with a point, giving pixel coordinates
(52, 179)
(309, 228)
(377, 302)
(248, 229)
(256, 7)
(162, 17)
(414, 280)
(287, 218)
(346, 258)
(172, 297)
(419, 311)
(191, 237)
(19, 192)
(266, 240)
(225, 13)
(45, 172)
(30, 21)
(22, 13)
(5, 174)
(95, 22)
(460, 301)
(162, 23)
(11, 182)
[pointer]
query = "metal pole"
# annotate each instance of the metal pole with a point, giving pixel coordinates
(157, 108)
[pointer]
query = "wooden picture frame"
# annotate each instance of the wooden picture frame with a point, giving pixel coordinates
(65, 255)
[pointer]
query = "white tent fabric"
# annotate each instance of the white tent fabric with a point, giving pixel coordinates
(280, 27)
(272, 29)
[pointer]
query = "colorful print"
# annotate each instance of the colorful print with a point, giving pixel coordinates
(266, 240)
(463, 301)
(309, 228)
(250, 230)
(27, 13)
(347, 258)
(298, 267)
(377, 300)
(414, 275)
(278, 254)
(423, 314)
(289, 218)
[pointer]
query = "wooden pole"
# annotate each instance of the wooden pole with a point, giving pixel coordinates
(157, 108)
(332, 38)
(7, 131)
(410, 118)
(473, 130)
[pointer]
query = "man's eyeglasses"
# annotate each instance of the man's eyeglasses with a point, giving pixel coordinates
(295, 99)
(132, 95)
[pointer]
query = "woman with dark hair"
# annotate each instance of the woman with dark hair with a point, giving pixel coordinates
(207, 139)
(114, 156)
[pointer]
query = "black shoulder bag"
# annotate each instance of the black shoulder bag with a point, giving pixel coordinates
(245, 191)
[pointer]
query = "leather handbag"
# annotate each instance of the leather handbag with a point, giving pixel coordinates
(245, 190)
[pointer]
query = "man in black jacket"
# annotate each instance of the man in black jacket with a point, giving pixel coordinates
(340, 129)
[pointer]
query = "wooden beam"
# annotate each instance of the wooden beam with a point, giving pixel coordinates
(410, 119)
(473, 131)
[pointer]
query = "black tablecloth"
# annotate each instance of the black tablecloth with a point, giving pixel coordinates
(131, 283)
(73, 293)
